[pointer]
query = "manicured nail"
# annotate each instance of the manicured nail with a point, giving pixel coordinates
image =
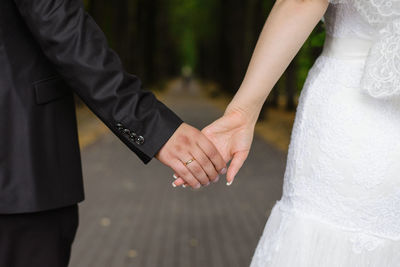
(198, 186)
(173, 184)
(184, 186)
(207, 184)
(175, 177)
(216, 179)
(229, 183)
(223, 171)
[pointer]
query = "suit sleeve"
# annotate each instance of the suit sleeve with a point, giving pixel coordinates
(77, 47)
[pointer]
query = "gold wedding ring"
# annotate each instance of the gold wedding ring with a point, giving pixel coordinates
(189, 161)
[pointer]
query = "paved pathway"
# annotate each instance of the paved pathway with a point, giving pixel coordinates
(133, 217)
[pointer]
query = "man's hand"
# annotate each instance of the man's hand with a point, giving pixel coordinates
(189, 146)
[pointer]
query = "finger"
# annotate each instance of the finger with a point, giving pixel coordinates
(213, 154)
(185, 174)
(206, 164)
(236, 164)
(198, 172)
(179, 182)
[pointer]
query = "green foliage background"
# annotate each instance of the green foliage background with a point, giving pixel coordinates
(215, 37)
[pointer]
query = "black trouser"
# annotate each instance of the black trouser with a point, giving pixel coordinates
(41, 239)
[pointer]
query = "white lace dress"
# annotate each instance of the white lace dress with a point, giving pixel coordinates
(341, 196)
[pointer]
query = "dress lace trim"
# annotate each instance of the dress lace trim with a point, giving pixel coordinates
(382, 69)
(376, 12)
(381, 78)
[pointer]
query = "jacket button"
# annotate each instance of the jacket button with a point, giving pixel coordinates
(127, 131)
(119, 126)
(132, 136)
(139, 140)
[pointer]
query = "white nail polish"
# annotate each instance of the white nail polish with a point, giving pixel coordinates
(229, 183)
(184, 186)
(175, 177)
(173, 185)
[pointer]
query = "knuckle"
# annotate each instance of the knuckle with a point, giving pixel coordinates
(186, 181)
(181, 171)
(176, 166)
(212, 153)
(209, 169)
(204, 161)
(204, 178)
(194, 183)
(183, 139)
(205, 182)
(201, 179)
(185, 173)
(197, 170)
(219, 165)
(212, 174)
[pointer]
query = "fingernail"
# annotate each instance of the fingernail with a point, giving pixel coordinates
(216, 179)
(207, 184)
(229, 183)
(175, 177)
(173, 185)
(198, 186)
(223, 171)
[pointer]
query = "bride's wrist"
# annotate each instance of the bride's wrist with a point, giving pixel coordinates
(248, 102)
(247, 116)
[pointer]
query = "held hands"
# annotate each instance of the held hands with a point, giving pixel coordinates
(192, 157)
(232, 134)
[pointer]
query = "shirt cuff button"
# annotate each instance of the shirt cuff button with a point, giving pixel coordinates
(139, 140)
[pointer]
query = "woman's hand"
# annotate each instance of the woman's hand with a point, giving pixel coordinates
(232, 135)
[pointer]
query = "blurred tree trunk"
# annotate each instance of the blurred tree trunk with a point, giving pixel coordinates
(139, 32)
(232, 43)
(147, 13)
(148, 37)
(291, 85)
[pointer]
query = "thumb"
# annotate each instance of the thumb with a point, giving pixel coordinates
(236, 163)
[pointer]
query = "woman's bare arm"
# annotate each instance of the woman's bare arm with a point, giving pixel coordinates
(287, 28)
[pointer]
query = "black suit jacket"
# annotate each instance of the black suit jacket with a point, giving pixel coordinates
(49, 49)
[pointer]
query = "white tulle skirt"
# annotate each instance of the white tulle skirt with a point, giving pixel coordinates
(298, 240)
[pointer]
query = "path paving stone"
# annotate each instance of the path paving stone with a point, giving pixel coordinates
(132, 216)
